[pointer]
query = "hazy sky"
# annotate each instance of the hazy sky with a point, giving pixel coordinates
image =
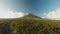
(43, 8)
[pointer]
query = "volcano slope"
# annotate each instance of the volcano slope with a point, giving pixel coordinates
(28, 25)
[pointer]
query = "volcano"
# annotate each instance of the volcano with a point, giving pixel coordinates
(31, 15)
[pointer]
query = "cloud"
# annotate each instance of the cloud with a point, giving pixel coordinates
(7, 13)
(55, 15)
(11, 14)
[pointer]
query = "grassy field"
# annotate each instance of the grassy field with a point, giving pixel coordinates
(27, 25)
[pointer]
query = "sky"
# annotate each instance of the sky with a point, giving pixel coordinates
(49, 9)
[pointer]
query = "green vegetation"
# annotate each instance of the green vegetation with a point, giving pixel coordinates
(27, 25)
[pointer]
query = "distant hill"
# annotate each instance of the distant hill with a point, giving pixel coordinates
(29, 24)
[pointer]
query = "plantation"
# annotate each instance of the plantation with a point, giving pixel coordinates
(29, 26)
